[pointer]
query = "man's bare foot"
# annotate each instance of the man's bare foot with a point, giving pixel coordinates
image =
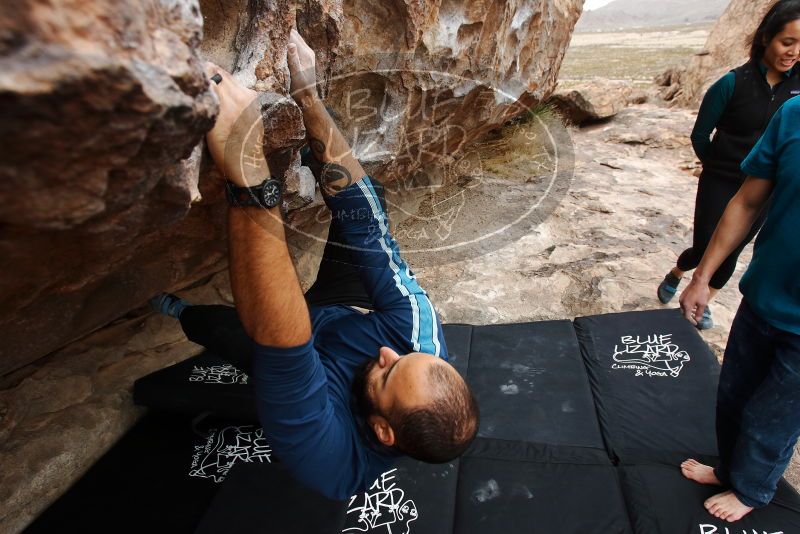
(727, 506)
(700, 473)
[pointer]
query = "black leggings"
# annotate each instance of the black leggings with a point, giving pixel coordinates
(218, 328)
(713, 196)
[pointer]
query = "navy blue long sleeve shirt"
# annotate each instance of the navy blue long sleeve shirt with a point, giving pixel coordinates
(304, 393)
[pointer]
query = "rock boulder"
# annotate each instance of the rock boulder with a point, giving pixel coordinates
(727, 47)
(593, 101)
(107, 195)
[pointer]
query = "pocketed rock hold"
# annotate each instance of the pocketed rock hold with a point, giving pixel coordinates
(594, 101)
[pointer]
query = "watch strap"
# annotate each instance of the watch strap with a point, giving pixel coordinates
(254, 196)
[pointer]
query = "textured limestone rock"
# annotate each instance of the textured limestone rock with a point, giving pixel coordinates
(98, 102)
(390, 69)
(592, 101)
(106, 196)
(728, 46)
(103, 106)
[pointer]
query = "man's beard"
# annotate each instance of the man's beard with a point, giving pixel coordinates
(360, 389)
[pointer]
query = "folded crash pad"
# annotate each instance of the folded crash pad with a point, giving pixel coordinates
(515, 487)
(544, 461)
(262, 497)
(654, 381)
(161, 475)
(662, 501)
(531, 384)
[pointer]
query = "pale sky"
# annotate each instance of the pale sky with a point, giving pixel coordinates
(594, 4)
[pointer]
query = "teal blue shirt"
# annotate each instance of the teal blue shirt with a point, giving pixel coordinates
(771, 284)
(713, 107)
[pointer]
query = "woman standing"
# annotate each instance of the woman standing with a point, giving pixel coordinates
(739, 106)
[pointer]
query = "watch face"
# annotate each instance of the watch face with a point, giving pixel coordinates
(271, 193)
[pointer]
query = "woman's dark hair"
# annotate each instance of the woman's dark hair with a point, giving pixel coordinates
(776, 19)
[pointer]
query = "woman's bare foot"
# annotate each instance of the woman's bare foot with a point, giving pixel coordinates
(700, 473)
(727, 506)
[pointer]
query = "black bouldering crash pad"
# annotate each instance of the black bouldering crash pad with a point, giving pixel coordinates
(579, 434)
(662, 501)
(201, 384)
(654, 381)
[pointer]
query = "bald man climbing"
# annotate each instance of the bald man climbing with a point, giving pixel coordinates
(341, 391)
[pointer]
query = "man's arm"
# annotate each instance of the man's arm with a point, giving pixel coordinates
(736, 223)
(263, 279)
(265, 288)
(290, 384)
(340, 168)
(360, 220)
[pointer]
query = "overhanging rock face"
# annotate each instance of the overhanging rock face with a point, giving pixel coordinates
(102, 106)
(107, 194)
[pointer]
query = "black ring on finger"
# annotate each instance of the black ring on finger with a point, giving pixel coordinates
(217, 79)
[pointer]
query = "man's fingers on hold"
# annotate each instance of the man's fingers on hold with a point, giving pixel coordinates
(302, 47)
(211, 69)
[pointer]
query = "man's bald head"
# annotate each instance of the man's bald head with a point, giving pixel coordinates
(419, 404)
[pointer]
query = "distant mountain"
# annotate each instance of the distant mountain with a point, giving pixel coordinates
(623, 14)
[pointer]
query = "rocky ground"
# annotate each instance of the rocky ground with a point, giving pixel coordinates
(618, 230)
(621, 226)
(617, 227)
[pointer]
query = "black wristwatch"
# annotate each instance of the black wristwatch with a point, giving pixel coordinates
(267, 194)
